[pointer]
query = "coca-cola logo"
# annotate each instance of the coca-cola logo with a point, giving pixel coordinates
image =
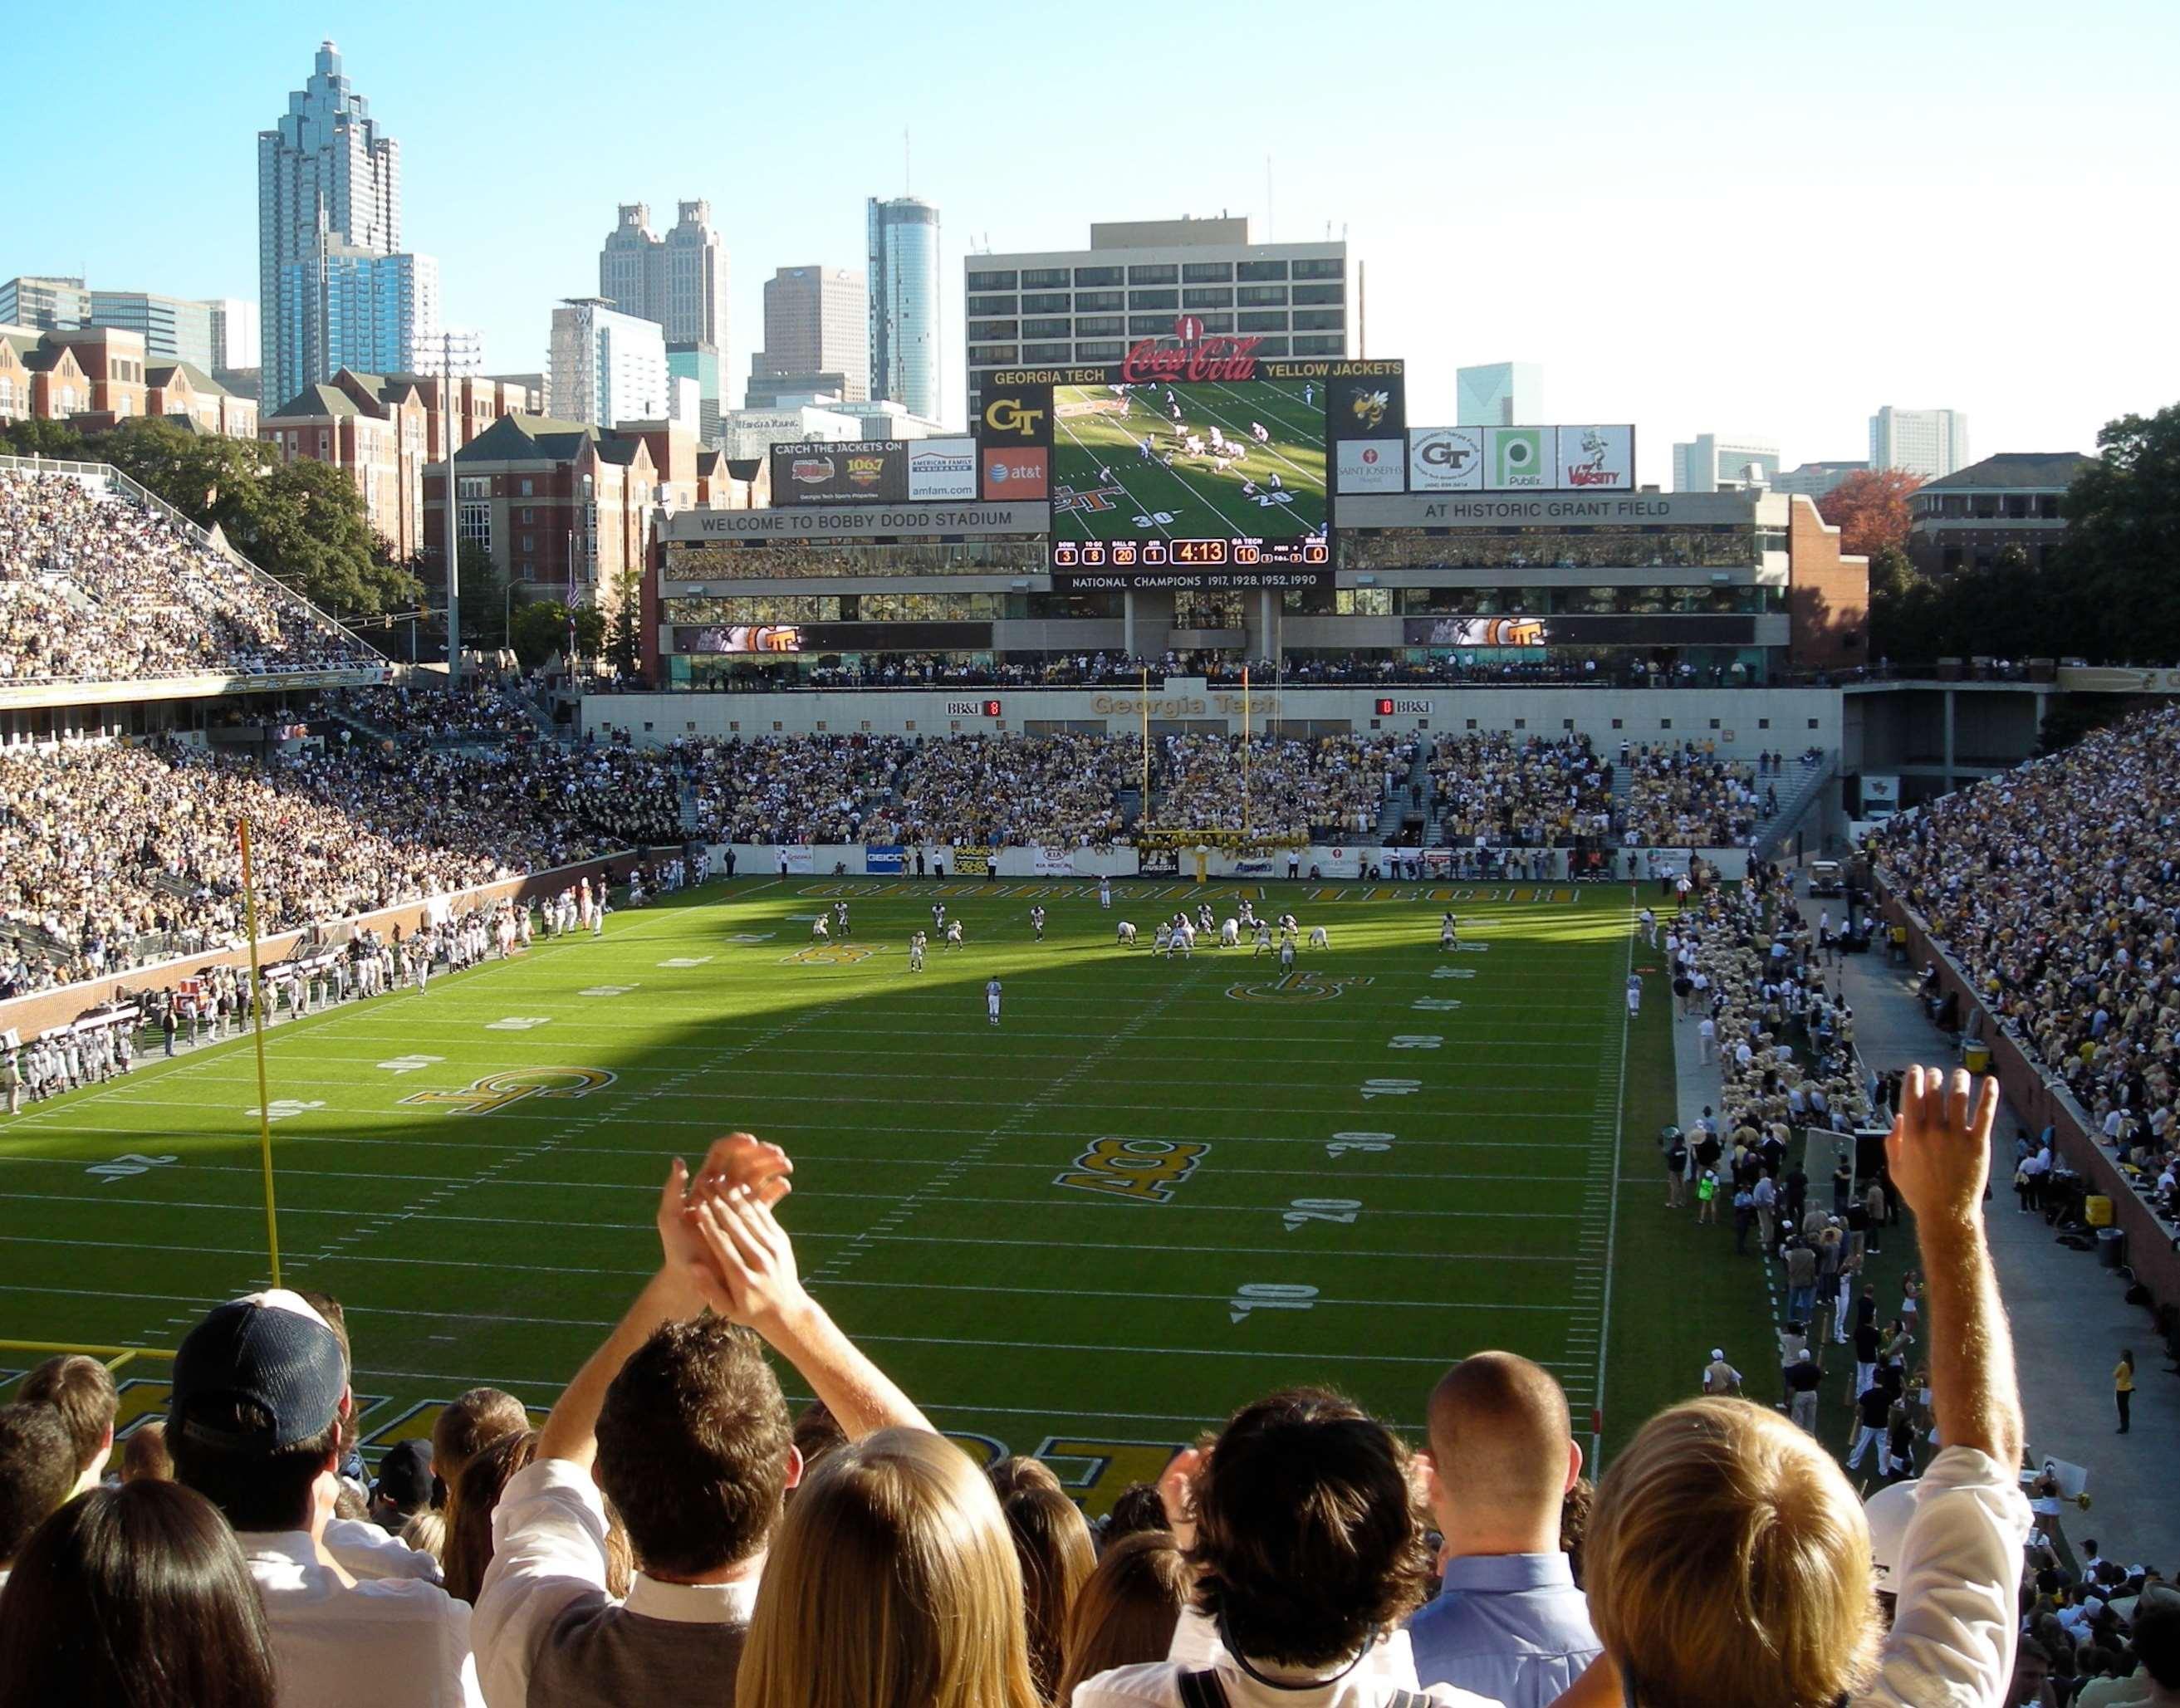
(1194, 358)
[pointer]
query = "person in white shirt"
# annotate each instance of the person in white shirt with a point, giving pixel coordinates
(260, 1397)
(679, 1422)
(992, 1000)
(1719, 1488)
(1302, 1525)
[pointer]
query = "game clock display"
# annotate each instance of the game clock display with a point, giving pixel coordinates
(1194, 554)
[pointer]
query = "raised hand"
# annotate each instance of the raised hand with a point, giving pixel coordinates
(749, 1258)
(1939, 1149)
(741, 1159)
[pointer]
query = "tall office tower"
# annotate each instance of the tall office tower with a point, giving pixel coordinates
(607, 367)
(1500, 394)
(1933, 443)
(903, 278)
(817, 326)
(632, 262)
(326, 176)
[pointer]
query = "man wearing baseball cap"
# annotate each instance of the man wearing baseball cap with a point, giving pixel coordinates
(259, 1392)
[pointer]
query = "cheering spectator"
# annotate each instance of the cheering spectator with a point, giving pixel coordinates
(677, 1420)
(81, 1391)
(1129, 1605)
(1728, 1559)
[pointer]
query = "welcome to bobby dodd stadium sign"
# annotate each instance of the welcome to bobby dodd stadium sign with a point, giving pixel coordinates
(821, 521)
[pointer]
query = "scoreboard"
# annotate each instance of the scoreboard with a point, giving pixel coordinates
(1188, 554)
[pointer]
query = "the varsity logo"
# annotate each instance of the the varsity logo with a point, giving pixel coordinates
(1370, 407)
(1294, 988)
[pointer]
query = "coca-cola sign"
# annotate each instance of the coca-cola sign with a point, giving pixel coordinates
(1193, 358)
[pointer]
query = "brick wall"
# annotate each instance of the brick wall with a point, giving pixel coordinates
(1828, 594)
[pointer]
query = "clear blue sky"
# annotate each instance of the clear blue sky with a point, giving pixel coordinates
(1747, 219)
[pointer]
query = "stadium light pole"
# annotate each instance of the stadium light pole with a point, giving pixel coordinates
(454, 552)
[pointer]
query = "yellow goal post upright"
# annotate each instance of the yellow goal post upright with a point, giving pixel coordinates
(257, 1030)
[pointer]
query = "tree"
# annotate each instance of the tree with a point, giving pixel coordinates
(484, 592)
(2115, 563)
(1870, 509)
(625, 634)
(29, 437)
(304, 522)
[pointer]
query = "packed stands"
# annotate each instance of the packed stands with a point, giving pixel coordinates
(96, 587)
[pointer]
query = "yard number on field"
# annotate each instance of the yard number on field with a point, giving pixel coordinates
(1268, 1295)
(283, 1108)
(1415, 1040)
(1391, 1088)
(121, 1167)
(1453, 972)
(1341, 1143)
(1303, 1211)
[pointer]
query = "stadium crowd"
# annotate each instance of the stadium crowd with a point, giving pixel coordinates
(481, 711)
(104, 847)
(94, 588)
(671, 1522)
(2052, 884)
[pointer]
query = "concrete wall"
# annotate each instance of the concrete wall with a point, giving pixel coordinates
(2039, 1100)
(1329, 861)
(1742, 722)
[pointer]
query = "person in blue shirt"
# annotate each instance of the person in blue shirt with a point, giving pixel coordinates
(1509, 1624)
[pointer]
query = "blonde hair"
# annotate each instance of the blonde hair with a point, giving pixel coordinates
(1728, 1564)
(892, 1584)
(426, 1532)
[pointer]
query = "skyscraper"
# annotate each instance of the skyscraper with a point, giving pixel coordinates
(816, 329)
(1500, 394)
(904, 295)
(234, 332)
(679, 280)
(607, 367)
(1933, 443)
(175, 329)
(326, 176)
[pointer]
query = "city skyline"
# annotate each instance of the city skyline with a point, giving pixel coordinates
(1626, 311)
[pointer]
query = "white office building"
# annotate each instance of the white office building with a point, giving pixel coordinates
(1500, 394)
(1136, 279)
(1933, 443)
(606, 367)
(1724, 463)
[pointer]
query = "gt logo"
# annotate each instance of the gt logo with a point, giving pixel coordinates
(831, 954)
(495, 1091)
(1007, 416)
(1145, 1169)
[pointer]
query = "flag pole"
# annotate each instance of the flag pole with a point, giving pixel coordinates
(257, 1017)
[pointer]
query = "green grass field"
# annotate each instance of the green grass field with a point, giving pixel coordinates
(1158, 1188)
(1105, 489)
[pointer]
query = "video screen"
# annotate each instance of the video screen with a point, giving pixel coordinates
(1192, 472)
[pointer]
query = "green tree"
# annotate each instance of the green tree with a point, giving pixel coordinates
(2115, 563)
(304, 522)
(28, 437)
(484, 593)
(540, 629)
(589, 631)
(624, 644)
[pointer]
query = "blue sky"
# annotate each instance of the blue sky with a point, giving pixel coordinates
(1741, 218)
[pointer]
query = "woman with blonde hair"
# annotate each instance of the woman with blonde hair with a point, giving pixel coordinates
(892, 1583)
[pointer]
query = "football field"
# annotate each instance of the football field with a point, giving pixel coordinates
(1157, 1188)
(1188, 486)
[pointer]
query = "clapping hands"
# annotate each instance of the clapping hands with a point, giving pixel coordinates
(719, 1236)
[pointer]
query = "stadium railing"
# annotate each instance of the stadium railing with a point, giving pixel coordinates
(2040, 1098)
